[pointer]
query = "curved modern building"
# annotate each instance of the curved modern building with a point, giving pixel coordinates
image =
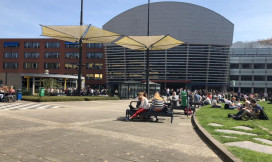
(202, 62)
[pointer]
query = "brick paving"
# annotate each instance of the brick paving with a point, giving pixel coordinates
(96, 131)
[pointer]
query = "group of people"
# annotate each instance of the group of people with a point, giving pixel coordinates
(73, 91)
(250, 109)
(6, 91)
(143, 104)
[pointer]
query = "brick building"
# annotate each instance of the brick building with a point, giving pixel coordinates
(20, 58)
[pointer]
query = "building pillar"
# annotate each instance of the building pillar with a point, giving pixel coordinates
(252, 90)
(65, 83)
(239, 89)
(27, 82)
(33, 86)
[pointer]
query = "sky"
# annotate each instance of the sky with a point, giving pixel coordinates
(252, 19)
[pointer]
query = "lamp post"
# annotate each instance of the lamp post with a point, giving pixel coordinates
(147, 53)
(80, 52)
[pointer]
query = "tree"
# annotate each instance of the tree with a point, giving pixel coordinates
(49, 83)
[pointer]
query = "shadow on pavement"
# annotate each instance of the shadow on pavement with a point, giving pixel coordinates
(123, 119)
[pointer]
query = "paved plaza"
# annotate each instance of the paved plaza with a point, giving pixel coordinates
(96, 131)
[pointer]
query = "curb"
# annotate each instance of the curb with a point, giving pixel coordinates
(217, 147)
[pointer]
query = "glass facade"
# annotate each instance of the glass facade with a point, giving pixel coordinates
(201, 65)
(255, 68)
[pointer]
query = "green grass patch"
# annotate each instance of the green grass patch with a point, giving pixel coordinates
(207, 115)
(66, 98)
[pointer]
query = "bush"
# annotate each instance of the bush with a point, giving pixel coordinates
(26, 93)
(66, 98)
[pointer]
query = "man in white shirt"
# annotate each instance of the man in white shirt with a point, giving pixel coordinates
(215, 103)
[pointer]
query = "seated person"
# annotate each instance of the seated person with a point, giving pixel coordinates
(143, 107)
(207, 101)
(238, 104)
(253, 113)
(215, 103)
(157, 102)
(197, 98)
(230, 103)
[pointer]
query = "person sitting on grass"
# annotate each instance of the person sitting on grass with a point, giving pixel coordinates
(241, 109)
(215, 103)
(207, 101)
(253, 113)
(230, 104)
(143, 107)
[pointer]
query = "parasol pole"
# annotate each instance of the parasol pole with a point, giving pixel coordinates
(80, 53)
(147, 52)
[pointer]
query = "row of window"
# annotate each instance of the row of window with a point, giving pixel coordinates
(90, 76)
(52, 55)
(35, 65)
(250, 77)
(250, 66)
(50, 45)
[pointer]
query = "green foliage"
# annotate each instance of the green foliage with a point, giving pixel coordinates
(66, 98)
(207, 115)
(26, 93)
(50, 83)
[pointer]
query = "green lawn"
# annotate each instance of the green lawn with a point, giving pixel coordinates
(66, 98)
(207, 115)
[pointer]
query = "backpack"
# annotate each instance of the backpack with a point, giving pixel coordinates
(263, 116)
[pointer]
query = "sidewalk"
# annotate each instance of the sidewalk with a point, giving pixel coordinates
(97, 131)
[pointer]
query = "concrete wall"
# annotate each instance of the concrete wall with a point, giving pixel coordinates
(12, 79)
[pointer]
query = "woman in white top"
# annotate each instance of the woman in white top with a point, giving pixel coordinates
(144, 106)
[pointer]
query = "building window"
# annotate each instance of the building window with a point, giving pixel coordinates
(72, 55)
(234, 77)
(246, 66)
(94, 55)
(94, 66)
(32, 55)
(52, 45)
(71, 66)
(71, 45)
(10, 65)
(259, 78)
(32, 45)
(94, 45)
(11, 55)
(259, 66)
(31, 65)
(269, 66)
(94, 76)
(246, 78)
(269, 78)
(234, 66)
(51, 55)
(51, 65)
(11, 44)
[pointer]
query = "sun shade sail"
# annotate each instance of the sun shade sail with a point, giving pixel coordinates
(161, 42)
(89, 34)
